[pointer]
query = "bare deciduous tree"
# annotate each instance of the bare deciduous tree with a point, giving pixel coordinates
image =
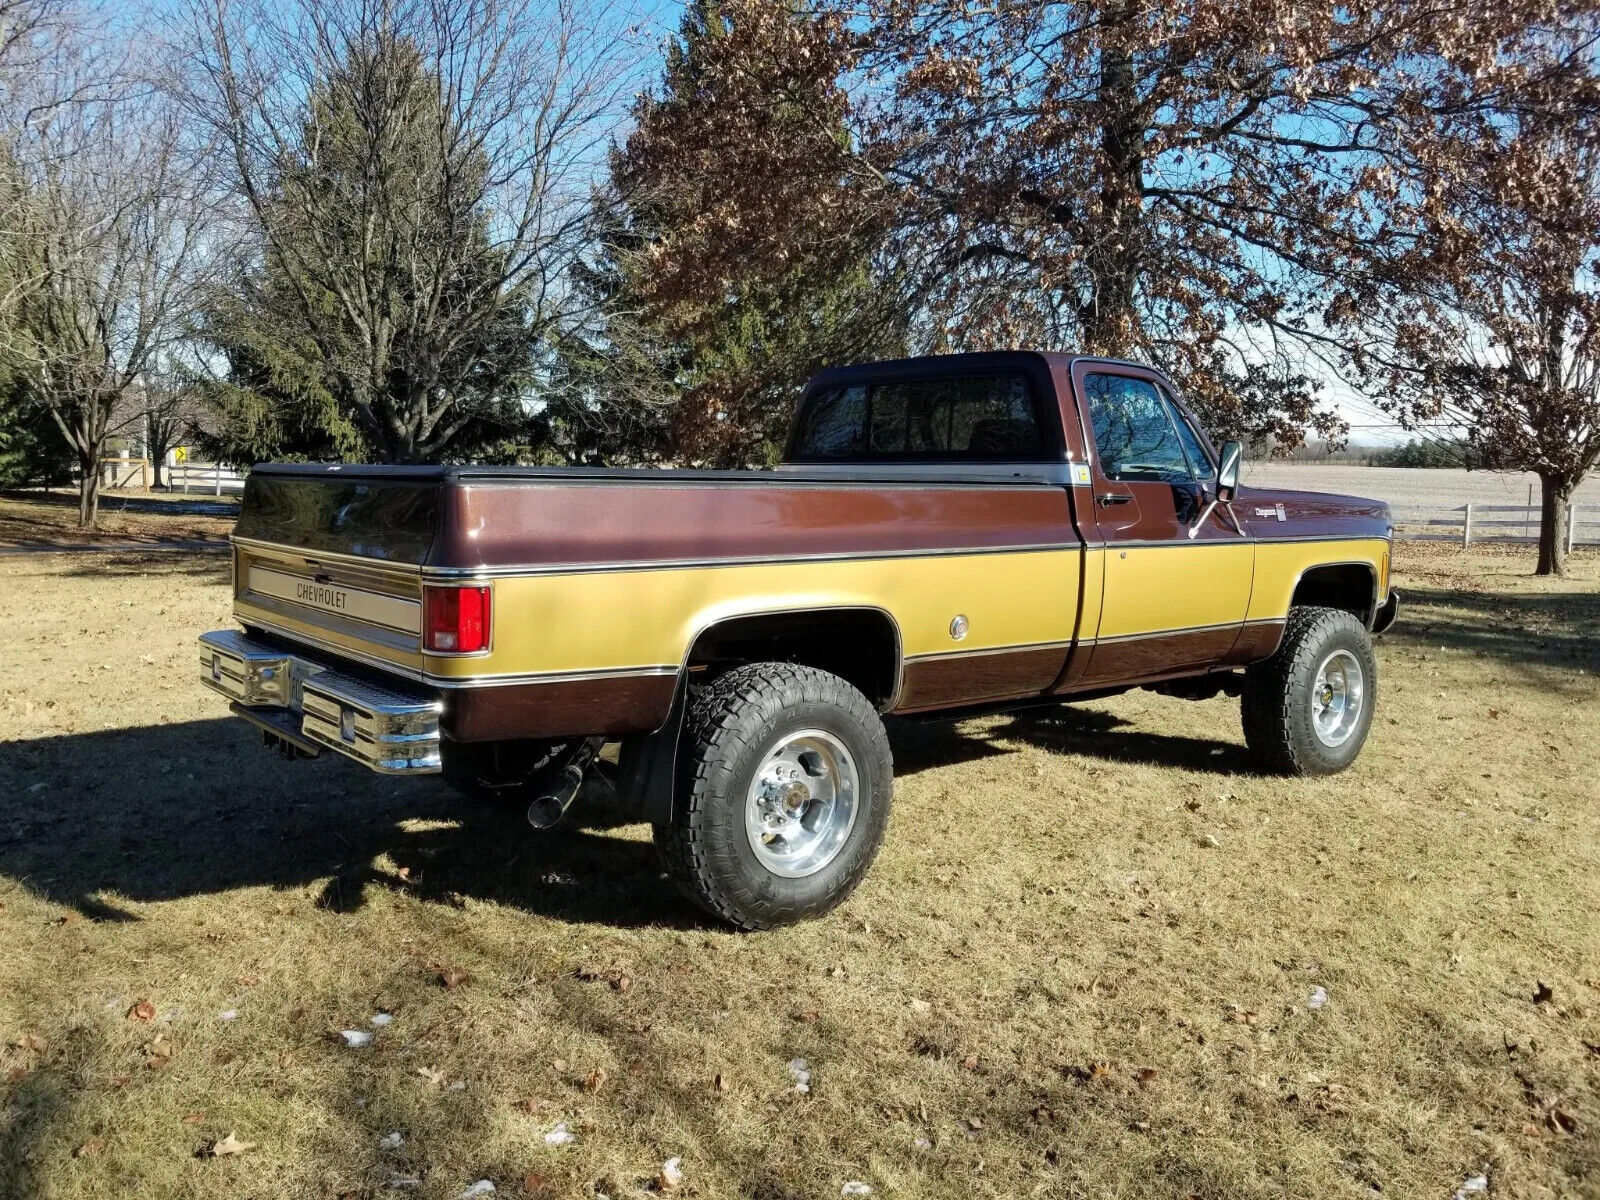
(419, 176)
(113, 230)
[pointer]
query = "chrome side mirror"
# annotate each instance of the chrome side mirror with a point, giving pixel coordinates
(1228, 471)
(1227, 488)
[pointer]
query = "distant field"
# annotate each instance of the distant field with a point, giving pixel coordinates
(1409, 485)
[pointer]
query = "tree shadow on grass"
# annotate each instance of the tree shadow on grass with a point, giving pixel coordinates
(1064, 729)
(107, 821)
(1552, 629)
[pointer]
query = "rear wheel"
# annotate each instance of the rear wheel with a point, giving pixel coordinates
(784, 786)
(1308, 708)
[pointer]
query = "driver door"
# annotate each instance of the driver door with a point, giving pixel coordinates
(1171, 603)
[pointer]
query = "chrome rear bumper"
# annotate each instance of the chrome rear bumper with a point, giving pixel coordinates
(308, 703)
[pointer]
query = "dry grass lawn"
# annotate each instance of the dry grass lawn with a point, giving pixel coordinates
(1052, 984)
(50, 518)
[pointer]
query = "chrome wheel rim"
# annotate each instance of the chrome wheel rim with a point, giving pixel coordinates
(1337, 698)
(802, 803)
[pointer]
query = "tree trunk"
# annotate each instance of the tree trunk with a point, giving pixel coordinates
(157, 461)
(88, 492)
(1110, 319)
(1555, 495)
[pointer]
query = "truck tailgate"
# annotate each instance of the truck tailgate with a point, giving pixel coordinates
(337, 562)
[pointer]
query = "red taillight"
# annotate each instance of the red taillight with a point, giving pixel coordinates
(455, 620)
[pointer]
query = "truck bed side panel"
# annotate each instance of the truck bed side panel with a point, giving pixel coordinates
(601, 584)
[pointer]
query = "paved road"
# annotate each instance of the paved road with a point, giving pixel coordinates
(1409, 486)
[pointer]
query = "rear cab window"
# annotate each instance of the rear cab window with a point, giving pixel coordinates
(963, 418)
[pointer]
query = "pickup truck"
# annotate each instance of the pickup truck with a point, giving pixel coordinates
(947, 536)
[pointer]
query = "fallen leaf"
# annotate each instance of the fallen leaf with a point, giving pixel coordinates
(194, 1118)
(970, 1062)
(223, 1147)
(801, 1074)
(92, 1146)
(119, 1081)
(559, 1064)
(595, 1080)
(1209, 841)
(142, 1011)
(432, 1075)
(246, 980)
(158, 1052)
(921, 1007)
(836, 973)
(1146, 1076)
(29, 1041)
(670, 1177)
(1098, 1071)
(621, 983)
(807, 1016)
(1243, 1016)
(974, 1123)
(1560, 1119)
(538, 1185)
(452, 977)
(721, 1083)
(1543, 993)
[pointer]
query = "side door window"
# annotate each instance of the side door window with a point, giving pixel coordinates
(1193, 448)
(1134, 432)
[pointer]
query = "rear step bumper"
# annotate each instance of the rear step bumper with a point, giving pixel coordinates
(391, 728)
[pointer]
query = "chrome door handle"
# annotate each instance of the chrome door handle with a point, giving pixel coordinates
(1107, 499)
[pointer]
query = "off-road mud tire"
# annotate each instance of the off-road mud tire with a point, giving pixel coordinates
(728, 728)
(1276, 704)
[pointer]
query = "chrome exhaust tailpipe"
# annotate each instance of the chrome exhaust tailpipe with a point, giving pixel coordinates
(553, 800)
(550, 805)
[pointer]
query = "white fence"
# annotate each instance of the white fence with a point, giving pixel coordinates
(203, 478)
(1469, 523)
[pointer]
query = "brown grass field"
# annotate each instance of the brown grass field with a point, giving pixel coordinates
(1052, 984)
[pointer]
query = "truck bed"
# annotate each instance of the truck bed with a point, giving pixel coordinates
(603, 579)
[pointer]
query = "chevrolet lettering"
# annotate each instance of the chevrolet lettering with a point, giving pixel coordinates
(946, 536)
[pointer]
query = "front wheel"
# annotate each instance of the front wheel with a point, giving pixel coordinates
(784, 785)
(1307, 709)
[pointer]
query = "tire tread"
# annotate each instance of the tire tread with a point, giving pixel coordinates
(1266, 708)
(721, 722)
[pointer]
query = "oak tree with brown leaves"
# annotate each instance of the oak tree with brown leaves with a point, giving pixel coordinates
(1489, 321)
(1181, 182)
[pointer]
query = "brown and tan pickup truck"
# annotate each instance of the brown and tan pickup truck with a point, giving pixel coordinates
(947, 536)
